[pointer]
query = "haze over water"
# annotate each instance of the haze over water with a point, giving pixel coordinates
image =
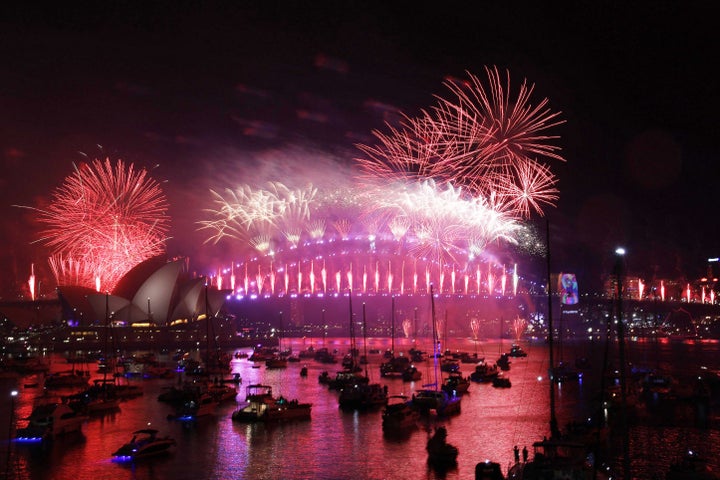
(336, 444)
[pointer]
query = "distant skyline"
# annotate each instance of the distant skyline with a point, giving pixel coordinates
(217, 97)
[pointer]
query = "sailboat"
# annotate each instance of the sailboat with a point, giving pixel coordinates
(361, 395)
(352, 373)
(431, 397)
(217, 362)
(101, 397)
(557, 456)
(398, 366)
(279, 359)
(504, 360)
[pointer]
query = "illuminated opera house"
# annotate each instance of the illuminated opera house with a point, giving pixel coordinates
(156, 301)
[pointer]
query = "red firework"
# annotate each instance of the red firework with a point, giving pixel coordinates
(103, 221)
(484, 139)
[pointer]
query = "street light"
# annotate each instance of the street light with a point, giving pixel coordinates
(619, 272)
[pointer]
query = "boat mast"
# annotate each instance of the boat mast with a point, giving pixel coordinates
(105, 352)
(365, 342)
(207, 329)
(501, 335)
(434, 337)
(554, 431)
(446, 331)
(392, 328)
(280, 333)
(353, 351)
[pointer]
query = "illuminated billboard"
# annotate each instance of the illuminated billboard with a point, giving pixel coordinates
(568, 289)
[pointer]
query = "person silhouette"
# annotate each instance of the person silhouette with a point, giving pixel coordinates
(525, 454)
(516, 453)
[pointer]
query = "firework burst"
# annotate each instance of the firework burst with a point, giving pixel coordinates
(437, 190)
(484, 138)
(103, 220)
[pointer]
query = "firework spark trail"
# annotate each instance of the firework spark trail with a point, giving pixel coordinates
(439, 223)
(482, 139)
(104, 219)
(443, 185)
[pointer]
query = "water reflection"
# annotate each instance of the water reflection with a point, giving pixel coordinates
(341, 445)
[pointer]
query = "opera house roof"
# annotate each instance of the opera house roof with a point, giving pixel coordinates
(155, 291)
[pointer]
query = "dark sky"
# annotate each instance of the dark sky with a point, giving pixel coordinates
(208, 90)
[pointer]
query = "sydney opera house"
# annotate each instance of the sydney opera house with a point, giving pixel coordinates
(156, 303)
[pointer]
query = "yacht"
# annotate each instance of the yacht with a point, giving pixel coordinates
(262, 406)
(144, 443)
(48, 421)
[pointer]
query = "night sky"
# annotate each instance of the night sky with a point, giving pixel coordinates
(212, 91)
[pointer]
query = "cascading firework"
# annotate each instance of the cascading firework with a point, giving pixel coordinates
(103, 220)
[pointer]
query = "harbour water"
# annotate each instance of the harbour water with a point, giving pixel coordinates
(337, 444)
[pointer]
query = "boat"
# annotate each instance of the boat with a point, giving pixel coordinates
(362, 394)
(234, 378)
(48, 421)
(466, 357)
(558, 456)
(484, 373)
(564, 372)
(504, 362)
(691, 466)
(261, 353)
(144, 443)
(449, 365)
(323, 355)
(261, 406)
(92, 402)
(394, 367)
(439, 401)
(431, 398)
(441, 455)
(399, 414)
(517, 351)
(307, 353)
(203, 405)
(488, 470)
(343, 379)
(501, 382)
(67, 379)
(456, 384)
(411, 374)
(276, 361)
(221, 391)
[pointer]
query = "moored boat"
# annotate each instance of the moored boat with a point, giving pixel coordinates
(441, 455)
(501, 382)
(439, 401)
(691, 466)
(556, 458)
(144, 443)
(67, 379)
(363, 395)
(262, 406)
(48, 421)
(517, 351)
(484, 373)
(201, 406)
(411, 374)
(399, 414)
(456, 384)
